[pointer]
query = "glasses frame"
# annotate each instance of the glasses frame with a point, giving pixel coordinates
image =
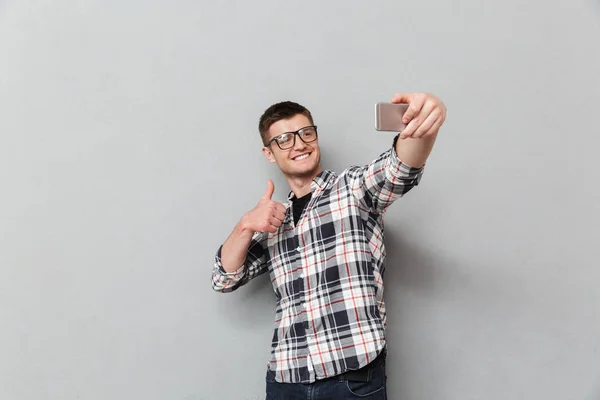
(296, 133)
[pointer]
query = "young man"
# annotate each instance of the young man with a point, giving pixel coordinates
(325, 254)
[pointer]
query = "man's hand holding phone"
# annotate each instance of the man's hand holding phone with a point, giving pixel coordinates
(424, 116)
(415, 116)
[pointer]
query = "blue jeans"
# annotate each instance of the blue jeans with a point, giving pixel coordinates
(333, 388)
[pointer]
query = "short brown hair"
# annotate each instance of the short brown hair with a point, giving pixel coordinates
(277, 112)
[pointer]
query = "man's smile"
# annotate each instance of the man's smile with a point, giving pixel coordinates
(301, 157)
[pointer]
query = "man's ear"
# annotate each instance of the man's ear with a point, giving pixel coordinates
(267, 152)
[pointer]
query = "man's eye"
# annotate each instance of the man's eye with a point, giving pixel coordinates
(284, 139)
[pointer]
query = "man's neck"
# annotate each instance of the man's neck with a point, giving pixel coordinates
(300, 185)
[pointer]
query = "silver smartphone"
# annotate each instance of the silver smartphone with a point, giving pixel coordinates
(388, 116)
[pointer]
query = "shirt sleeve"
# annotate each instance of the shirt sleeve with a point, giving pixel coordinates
(384, 180)
(255, 265)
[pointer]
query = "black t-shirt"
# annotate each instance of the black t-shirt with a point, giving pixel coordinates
(298, 205)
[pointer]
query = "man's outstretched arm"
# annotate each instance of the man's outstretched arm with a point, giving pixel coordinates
(425, 115)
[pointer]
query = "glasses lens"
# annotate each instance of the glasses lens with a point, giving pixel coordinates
(309, 134)
(286, 140)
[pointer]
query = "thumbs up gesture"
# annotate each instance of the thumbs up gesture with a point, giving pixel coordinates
(268, 215)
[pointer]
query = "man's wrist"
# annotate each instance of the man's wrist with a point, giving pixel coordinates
(243, 229)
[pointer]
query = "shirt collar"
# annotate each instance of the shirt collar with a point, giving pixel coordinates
(319, 181)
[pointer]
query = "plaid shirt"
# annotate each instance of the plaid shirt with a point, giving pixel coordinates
(327, 271)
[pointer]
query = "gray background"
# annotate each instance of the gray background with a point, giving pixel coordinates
(129, 149)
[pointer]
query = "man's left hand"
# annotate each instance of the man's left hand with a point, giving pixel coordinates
(425, 114)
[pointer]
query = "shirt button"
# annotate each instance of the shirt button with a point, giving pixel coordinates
(298, 248)
(302, 275)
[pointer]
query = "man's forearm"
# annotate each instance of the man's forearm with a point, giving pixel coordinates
(267, 216)
(235, 248)
(414, 152)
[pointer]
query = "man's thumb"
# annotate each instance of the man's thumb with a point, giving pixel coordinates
(270, 189)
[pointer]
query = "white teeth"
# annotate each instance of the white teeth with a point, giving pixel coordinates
(302, 157)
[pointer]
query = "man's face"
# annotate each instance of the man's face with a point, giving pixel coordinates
(301, 160)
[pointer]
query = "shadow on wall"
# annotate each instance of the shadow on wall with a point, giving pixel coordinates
(416, 275)
(408, 265)
(421, 269)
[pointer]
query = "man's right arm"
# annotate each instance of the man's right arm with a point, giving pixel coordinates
(243, 255)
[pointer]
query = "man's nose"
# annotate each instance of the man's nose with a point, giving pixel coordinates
(299, 145)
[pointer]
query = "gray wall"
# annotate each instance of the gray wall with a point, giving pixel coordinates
(128, 151)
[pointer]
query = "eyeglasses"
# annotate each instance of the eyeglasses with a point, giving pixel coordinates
(287, 140)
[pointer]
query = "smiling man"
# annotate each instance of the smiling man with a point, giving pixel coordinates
(324, 251)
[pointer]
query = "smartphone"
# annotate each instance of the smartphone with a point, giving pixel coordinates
(388, 116)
